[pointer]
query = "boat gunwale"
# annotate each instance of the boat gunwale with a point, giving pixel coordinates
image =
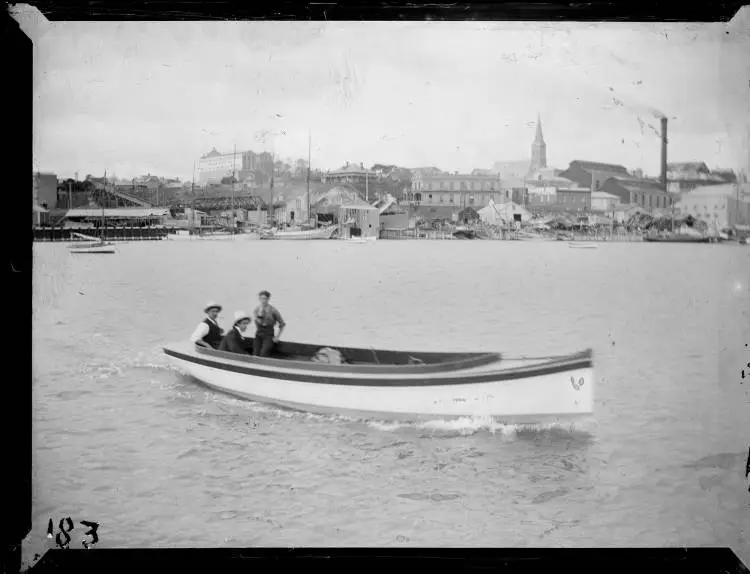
(462, 361)
(575, 361)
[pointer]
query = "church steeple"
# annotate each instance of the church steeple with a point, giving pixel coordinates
(538, 148)
(539, 136)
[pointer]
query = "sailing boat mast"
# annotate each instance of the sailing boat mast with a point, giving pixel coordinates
(104, 195)
(234, 171)
(270, 206)
(309, 152)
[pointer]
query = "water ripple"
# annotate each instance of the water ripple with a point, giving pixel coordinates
(123, 438)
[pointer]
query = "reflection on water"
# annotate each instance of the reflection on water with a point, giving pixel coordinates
(122, 438)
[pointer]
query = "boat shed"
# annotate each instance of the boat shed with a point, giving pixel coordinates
(361, 220)
(502, 213)
(128, 217)
(356, 217)
(40, 215)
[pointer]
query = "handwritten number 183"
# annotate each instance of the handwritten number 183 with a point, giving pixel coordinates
(62, 538)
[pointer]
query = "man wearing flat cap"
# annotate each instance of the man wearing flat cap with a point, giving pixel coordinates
(235, 340)
(208, 333)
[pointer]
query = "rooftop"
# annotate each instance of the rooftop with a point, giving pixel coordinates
(136, 212)
(596, 166)
(635, 184)
(351, 168)
(688, 165)
(602, 195)
(457, 176)
(727, 189)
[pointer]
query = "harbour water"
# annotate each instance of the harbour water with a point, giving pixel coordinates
(123, 439)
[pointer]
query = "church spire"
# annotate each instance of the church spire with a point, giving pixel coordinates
(538, 148)
(539, 139)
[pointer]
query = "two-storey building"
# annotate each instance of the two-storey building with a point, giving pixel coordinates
(351, 173)
(214, 166)
(686, 176)
(460, 190)
(721, 206)
(648, 194)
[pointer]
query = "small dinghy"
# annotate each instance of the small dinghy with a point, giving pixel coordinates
(573, 245)
(399, 385)
(93, 248)
(94, 245)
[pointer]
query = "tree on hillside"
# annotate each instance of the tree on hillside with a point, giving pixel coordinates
(384, 168)
(300, 167)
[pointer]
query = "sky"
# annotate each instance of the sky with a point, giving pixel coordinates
(137, 98)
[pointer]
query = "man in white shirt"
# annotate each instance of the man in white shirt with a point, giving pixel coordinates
(208, 333)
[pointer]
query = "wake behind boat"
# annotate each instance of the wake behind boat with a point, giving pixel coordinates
(399, 385)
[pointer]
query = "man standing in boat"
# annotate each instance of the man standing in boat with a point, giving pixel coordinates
(208, 333)
(266, 316)
(235, 340)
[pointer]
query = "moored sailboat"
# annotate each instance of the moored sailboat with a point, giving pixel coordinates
(96, 245)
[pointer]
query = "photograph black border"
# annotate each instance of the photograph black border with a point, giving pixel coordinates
(17, 415)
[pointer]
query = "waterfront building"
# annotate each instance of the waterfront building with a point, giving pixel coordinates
(353, 174)
(454, 190)
(116, 217)
(649, 194)
(686, 176)
(514, 189)
(504, 213)
(427, 170)
(591, 174)
(44, 190)
(509, 169)
(40, 216)
(720, 206)
(146, 182)
(574, 198)
(603, 202)
(214, 166)
(542, 191)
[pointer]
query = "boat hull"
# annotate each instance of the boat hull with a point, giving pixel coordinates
(106, 248)
(326, 233)
(582, 245)
(682, 239)
(527, 394)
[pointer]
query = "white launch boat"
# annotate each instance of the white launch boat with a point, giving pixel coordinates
(399, 385)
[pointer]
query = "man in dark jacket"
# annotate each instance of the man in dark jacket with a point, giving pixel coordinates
(208, 333)
(234, 341)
